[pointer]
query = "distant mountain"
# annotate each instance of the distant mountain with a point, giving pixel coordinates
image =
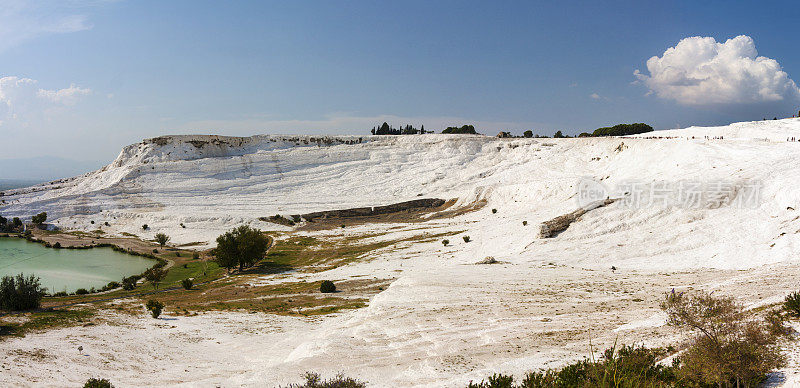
(24, 172)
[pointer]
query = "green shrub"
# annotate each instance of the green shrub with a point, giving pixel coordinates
(313, 380)
(20, 292)
(464, 129)
(110, 286)
(494, 211)
(327, 287)
(524, 223)
(445, 242)
(195, 255)
(81, 291)
(730, 347)
(626, 366)
(57, 245)
(792, 304)
(61, 293)
(98, 383)
(145, 227)
(187, 283)
(129, 283)
(154, 307)
(466, 239)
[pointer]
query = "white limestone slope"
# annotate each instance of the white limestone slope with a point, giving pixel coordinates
(443, 321)
(212, 183)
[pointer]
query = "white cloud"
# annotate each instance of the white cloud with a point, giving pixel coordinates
(23, 102)
(702, 71)
(595, 96)
(68, 96)
(21, 20)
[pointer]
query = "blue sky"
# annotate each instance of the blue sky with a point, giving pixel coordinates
(104, 74)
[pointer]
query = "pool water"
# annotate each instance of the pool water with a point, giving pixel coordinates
(68, 269)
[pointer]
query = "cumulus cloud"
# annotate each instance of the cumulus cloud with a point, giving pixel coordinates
(595, 96)
(702, 71)
(23, 102)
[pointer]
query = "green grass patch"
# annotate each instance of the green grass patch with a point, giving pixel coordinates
(46, 320)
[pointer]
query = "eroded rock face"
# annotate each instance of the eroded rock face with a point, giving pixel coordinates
(416, 204)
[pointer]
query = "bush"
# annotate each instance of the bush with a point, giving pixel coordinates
(313, 380)
(145, 227)
(494, 211)
(155, 250)
(626, 366)
(98, 383)
(527, 133)
(129, 283)
(187, 283)
(81, 291)
(524, 223)
(445, 242)
(57, 245)
(465, 129)
(111, 286)
(195, 256)
(154, 307)
(327, 287)
(792, 304)
(20, 292)
(466, 239)
(61, 293)
(729, 347)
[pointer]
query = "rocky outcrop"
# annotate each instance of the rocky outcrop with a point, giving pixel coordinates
(416, 204)
(559, 224)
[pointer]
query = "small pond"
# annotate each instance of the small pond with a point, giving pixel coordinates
(68, 269)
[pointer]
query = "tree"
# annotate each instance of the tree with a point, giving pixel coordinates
(465, 129)
(527, 133)
(16, 222)
(39, 218)
(20, 292)
(623, 130)
(242, 246)
(161, 239)
(558, 135)
(155, 275)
